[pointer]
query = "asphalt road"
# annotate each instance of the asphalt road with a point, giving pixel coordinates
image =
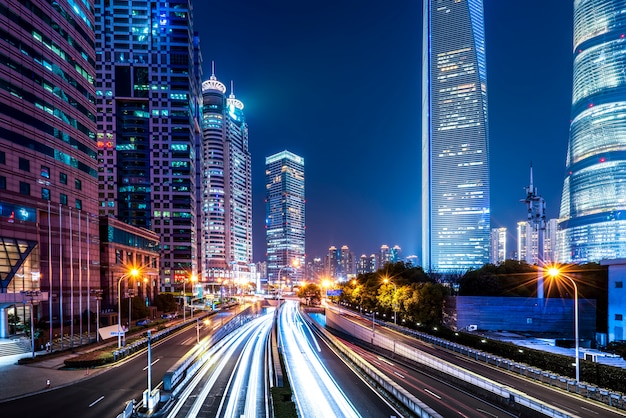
(106, 394)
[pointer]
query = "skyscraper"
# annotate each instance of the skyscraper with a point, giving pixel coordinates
(148, 98)
(48, 159)
(498, 245)
(227, 187)
(284, 211)
(592, 223)
(455, 151)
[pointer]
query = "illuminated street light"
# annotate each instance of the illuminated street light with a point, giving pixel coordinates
(554, 272)
(393, 301)
(131, 273)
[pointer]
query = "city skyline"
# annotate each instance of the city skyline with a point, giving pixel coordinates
(308, 80)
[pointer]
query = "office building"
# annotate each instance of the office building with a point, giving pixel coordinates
(285, 217)
(528, 242)
(455, 151)
(592, 223)
(498, 245)
(48, 163)
(226, 199)
(366, 264)
(148, 101)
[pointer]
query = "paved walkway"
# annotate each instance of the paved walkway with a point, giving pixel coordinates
(19, 380)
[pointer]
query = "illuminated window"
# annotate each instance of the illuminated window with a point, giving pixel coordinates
(45, 172)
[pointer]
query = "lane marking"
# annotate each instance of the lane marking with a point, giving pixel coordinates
(96, 401)
(152, 364)
(486, 413)
(398, 374)
(589, 410)
(432, 393)
(386, 361)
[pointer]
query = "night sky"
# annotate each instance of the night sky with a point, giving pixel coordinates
(338, 82)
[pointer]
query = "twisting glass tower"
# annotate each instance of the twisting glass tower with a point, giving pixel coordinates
(592, 223)
(455, 152)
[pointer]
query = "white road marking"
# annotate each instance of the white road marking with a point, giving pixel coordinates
(152, 363)
(432, 393)
(96, 401)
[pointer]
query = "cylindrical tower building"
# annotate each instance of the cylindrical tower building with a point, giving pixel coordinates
(592, 223)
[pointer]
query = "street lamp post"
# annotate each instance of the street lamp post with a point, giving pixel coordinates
(32, 294)
(131, 294)
(554, 272)
(393, 302)
(133, 272)
(98, 295)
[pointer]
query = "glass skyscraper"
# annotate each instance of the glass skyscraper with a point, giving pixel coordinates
(227, 187)
(148, 96)
(284, 210)
(592, 223)
(455, 149)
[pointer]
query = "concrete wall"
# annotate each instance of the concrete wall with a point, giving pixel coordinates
(553, 316)
(617, 299)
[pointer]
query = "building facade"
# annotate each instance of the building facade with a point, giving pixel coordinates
(498, 245)
(528, 242)
(148, 99)
(285, 216)
(455, 151)
(226, 199)
(48, 162)
(592, 223)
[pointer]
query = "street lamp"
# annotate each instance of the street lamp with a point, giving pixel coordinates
(98, 295)
(393, 301)
(131, 293)
(554, 272)
(32, 295)
(132, 273)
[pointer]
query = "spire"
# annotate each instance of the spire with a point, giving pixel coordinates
(232, 90)
(212, 83)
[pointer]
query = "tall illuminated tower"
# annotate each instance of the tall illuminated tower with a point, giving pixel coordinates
(455, 148)
(592, 223)
(284, 211)
(227, 187)
(148, 99)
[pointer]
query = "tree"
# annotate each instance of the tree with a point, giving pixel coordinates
(165, 302)
(311, 293)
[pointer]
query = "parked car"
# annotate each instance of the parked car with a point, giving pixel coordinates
(168, 316)
(143, 322)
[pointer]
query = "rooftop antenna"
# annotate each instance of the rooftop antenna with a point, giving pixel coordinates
(537, 220)
(232, 89)
(212, 68)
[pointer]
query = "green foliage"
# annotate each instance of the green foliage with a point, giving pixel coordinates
(165, 302)
(311, 293)
(410, 293)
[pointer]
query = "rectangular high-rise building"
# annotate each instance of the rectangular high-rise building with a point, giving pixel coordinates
(455, 151)
(498, 245)
(148, 98)
(284, 222)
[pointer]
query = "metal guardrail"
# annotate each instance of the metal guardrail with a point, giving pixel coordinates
(403, 396)
(410, 353)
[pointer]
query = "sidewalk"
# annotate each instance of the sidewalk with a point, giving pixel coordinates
(19, 380)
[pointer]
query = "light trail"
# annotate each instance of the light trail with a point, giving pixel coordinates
(316, 392)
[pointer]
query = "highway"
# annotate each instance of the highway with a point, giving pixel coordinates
(106, 394)
(575, 406)
(232, 383)
(318, 392)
